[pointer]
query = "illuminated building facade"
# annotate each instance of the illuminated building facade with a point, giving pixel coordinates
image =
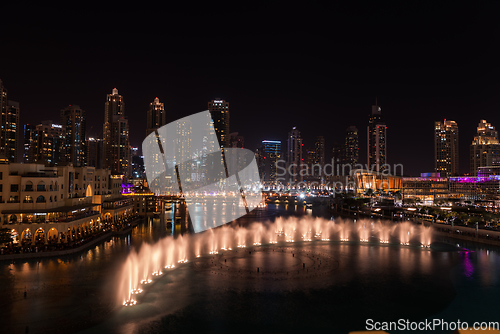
(156, 117)
(430, 187)
(446, 148)
(480, 189)
(366, 179)
(219, 110)
(138, 171)
(44, 205)
(48, 145)
(9, 126)
(485, 148)
(294, 156)
(488, 171)
(271, 150)
(426, 188)
(310, 157)
(74, 122)
(29, 145)
(377, 140)
(116, 145)
(351, 147)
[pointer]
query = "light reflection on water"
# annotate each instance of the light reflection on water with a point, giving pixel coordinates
(369, 281)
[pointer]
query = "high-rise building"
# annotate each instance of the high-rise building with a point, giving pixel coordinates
(138, 171)
(49, 144)
(351, 147)
(312, 160)
(156, 116)
(238, 156)
(94, 152)
(116, 145)
(271, 151)
(236, 141)
(9, 126)
(219, 110)
(3, 112)
(377, 140)
(446, 148)
(337, 154)
(259, 157)
(114, 106)
(319, 147)
(485, 148)
(29, 148)
(10, 131)
(3, 96)
(294, 156)
(310, 157)
(74, 122)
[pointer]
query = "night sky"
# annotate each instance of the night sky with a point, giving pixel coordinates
(308, 65)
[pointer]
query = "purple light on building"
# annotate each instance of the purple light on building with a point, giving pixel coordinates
(127, 188)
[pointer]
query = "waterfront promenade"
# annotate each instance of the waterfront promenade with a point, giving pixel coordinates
(75, 248)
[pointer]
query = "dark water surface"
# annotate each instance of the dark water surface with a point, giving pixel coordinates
(341, 286)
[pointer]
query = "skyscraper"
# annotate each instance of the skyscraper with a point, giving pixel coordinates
(10, 131)
(319, 147)
(116, 146)
(351, 147)
(446, 148)
(219, 110)
(294, 156)
(9, 126)
(271, 150)
(236, 141)
(156, 117)
(3, 96)
(74, 122)
(377, 140)
(49, 144)
(137, 164)
(485, 148)
(29, 147)
(94, 152)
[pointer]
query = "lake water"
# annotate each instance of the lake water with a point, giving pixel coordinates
(342, 285)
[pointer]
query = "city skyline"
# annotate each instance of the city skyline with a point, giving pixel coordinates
(249, 167)
(414, 70)
(310, 144)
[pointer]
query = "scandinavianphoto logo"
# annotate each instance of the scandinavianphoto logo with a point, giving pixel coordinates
(184, 158)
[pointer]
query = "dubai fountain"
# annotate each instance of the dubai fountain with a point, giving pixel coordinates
(154, 260)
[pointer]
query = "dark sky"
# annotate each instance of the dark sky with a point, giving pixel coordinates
(314, 66)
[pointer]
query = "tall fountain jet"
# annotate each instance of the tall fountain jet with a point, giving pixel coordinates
(152, 260)
(184, 158)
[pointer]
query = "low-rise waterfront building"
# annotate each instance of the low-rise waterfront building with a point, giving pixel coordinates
(40, 204)
(367, 179)
(426, 188)
(478, 189)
